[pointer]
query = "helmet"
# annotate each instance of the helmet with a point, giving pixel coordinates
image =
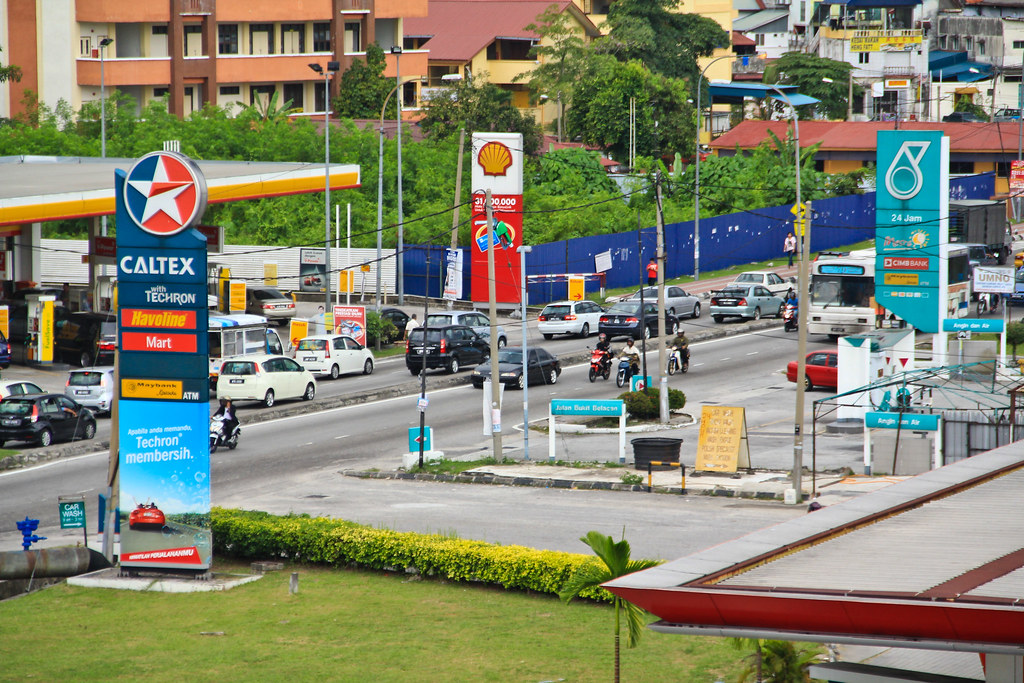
(223, 401)
(629, 341)
(602, 337)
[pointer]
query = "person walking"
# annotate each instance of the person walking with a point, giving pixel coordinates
(789, 247)
(411, 325)
(652, 272)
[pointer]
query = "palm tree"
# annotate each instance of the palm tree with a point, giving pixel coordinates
(776, 661)
(617, 563)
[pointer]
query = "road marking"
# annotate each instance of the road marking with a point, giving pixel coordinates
(59, 461)
(752, 353)
(726, 358)
(343, 436)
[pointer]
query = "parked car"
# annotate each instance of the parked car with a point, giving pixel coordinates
(270, 303)
(19, 388)
(333, 354)
(677, 301)
(745, 301)
(479, 323)
(1007, 114)
(261, 377)
(543, 368)
(766, 278)
(44, 418)
(397, 317)
(821, 370)
(625, 319)
(963, 117)
(5, 352)
(92, 387)
(569, 317)
(449, 347)
(84, 339)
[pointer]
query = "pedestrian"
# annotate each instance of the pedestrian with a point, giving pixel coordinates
(652, 272)
(65, 296)
(789, 247)
(411, 325)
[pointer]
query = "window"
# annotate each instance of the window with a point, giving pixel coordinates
(261, 39)
(981, 47)
(227, 39)
(321, 37)
(230, 90)
(1018, 45)
(509, 49)
(863, 57)
(160, 30)
(961, 167)
(293, 93)
(954, 43)
(293, 38)
(1002, 169)
(968, 43)
(353, 39)
(160, 92)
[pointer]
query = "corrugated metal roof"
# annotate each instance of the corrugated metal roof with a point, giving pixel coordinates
(755, 20)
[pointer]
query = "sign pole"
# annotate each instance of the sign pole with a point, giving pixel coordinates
(493, 309)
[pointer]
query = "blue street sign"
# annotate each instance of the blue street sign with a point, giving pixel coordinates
(612, 407)
(912, 421)
(971, 325)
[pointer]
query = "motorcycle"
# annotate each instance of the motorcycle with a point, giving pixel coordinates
(600, 364)
(625, 372)
(217, 436)
(789, 318)
(678, 360)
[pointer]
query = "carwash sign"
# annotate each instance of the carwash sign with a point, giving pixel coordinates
(911, 219)
(164, 455)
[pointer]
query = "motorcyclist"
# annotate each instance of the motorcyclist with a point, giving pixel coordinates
(681, 345)
(631, 352)
(791, 299)
(602, 343)
(228, 412)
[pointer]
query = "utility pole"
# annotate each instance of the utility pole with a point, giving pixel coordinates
(493, 310)
(662, 313)
(456, 200)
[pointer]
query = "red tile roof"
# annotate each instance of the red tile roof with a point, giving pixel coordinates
(460, 29)
(855, 135)
(740, 39)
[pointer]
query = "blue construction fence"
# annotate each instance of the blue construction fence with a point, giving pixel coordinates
(725, 241)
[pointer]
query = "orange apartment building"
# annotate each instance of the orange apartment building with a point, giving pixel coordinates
(196, 51)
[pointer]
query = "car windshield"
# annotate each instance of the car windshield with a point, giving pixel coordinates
(238, 367)
(433, 336)
(85, 379)
(267, 294)
(439, 319)
(555, 310)
(623, 309)
(749, 277)
(649, 293)
(514, 357)
(13, 406)
(312, 345)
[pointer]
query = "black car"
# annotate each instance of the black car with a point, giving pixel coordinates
(44, 418)
(625, 320)
(544, 368)
(397, 317)
(962, 117)
(448, 346)
(86, 339)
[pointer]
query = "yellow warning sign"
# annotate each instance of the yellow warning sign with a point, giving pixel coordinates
(722, 444)
(576, 288)
(168, 389)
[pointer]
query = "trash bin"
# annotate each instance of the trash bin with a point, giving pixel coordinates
(658, 449)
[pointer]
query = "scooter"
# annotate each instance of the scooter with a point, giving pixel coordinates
(600, 364)
(789, 318)
(217, 436)
(678, 360)
(625, 372)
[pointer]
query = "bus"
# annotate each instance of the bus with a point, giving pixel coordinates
(843, 292)
(237, 334)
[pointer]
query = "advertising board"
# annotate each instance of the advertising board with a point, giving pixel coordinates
(498, 167)
(351, 320)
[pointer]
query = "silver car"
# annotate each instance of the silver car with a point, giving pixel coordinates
(569, 317)
(92, 387)
(677, 301)
(766, 278)
(745, 301)
(480, 323)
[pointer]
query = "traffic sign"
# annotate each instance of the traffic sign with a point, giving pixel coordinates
(801, 211)
(72, 514)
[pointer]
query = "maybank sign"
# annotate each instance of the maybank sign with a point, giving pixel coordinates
(911, 421)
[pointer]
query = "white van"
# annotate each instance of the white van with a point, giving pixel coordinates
(238, 334)
(333, 354)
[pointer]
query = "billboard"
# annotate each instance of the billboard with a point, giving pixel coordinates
(312, 270)
(912, 225)
(498, 167)
(351, 320)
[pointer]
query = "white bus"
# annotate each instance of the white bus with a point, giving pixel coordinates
(843, 292)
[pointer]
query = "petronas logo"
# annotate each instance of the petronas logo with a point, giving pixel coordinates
(903, 179)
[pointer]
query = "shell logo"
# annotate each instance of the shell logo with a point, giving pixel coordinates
(495, 158)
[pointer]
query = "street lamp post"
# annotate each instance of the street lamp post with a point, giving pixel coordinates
(104, 42)
(696, 184)
(800, 220)
(332, 67)
(396, 50)
(523, 251)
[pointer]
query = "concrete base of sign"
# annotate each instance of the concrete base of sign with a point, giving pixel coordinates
(845, 426)
(108, 578)
(413, 459)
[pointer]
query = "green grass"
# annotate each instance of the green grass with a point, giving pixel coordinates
(342, 625)
(456, 466)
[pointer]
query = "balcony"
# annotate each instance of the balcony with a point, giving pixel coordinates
(124, 72)
(745, 72)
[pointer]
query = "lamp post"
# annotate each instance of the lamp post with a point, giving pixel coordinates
(332, 67)
(396, 50)
(799, 220)
(104, 42)
(696, 184)
(523, 251)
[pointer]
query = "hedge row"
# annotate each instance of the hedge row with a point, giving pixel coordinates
(324, 541)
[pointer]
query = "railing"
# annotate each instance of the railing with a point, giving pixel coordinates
(197, 6)
(355, 6)
(898, 71)
(754, 65)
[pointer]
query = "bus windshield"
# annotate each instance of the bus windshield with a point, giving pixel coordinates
(830, 290)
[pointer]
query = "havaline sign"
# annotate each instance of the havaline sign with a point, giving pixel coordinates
(911, 221)
(163, 366)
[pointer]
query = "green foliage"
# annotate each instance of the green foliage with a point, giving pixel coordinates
(319, 540)
(478, 106)
(1015, 335)
(574, 171)
(631, 479)
(644, 405)
(378, 327)
(776, 661)
(806, 71)
(363, 88)
(965, 102)
(10, 72)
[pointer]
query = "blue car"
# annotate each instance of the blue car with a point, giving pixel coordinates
(745, 301)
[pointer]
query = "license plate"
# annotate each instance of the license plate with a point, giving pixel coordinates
(10, 423)
(309, 359)
(839, 329)
(236, 381)
(81, 392)
(281, 307)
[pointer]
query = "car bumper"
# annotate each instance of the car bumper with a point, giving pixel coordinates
(29, 433)
(620, 331)
(733, 311)
(433, 362)
(560, 327)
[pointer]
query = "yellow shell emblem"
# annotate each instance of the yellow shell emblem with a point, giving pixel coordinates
(494, 158)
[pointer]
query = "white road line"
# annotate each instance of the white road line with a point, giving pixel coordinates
(752, 353)
(343, 436)
(726, 358)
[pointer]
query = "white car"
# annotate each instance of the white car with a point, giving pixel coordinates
(92, 387)
(766, 278)
(18, 388)
(333, 354)
(569, 317)
(265, 378)
(480, 323)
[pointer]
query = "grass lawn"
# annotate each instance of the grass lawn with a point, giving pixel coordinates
(343, 625)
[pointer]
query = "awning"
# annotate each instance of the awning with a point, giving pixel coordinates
(733, 93)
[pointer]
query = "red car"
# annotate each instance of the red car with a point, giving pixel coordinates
(146, 514)
(822, 370)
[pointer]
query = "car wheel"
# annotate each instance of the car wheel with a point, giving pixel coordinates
(696, 310)
(90, 430)
(310, 392)
(85, 360)
(2, 442)
(548, 336)
(368, 367)
(268, 399)
(808, 384)
(501, 342)
(45, 437)
(453, 365)
(520, 381)
(213, 445)
(552, 376)
(671, 326)
(585, 332)
(335, 371)
(717, 318)
(757, 313)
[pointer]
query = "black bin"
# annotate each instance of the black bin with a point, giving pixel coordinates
(657, 449)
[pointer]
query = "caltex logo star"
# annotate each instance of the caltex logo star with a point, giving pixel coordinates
(164, 193)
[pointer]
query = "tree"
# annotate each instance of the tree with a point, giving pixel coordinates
(616, 563)
(10, 73)
(807, 72)
(480, 106)
(667, 42)
(363, 87)
(776, 661)
(1015, 336)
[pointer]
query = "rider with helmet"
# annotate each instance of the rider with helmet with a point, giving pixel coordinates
(631, 352)
(602, 342)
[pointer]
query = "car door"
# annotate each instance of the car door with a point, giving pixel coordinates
(74, 420)
(591, 313)
(274, 378)
(817, 369)
(344, 356)
(536, 371)
(296, 377)
(60, 422)
(356, 354)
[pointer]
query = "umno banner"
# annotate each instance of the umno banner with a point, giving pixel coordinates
(498, 167)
